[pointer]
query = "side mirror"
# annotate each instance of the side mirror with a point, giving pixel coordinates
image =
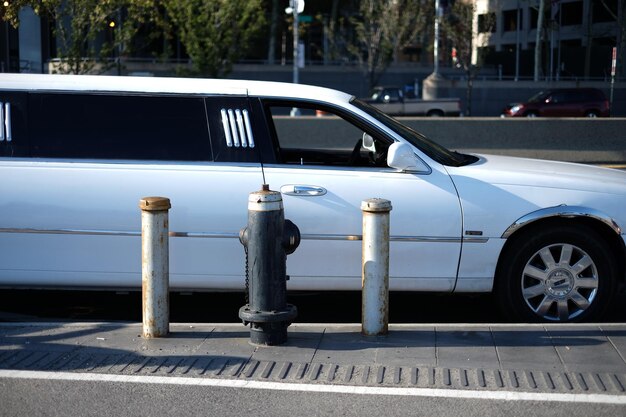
(401, 157)
(368, 143)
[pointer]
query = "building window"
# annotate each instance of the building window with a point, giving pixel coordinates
(486, 22)
(572, 13)
(510, 22)
(604, 11)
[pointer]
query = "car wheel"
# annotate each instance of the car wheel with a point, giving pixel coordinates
(435, 113)
(591, 113)
(531, 114)
(563, 274)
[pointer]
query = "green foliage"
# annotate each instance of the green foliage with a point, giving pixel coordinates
(215, 32)
(382, 28)
(81, 27)
(457, 27)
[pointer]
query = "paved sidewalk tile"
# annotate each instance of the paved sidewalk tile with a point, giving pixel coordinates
(466, 347)
(346, 345)
(522, 347)
(406, 347)
(300, 347)
(586, 348)
(617, 337)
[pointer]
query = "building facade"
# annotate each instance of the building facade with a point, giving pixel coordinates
(576, 39)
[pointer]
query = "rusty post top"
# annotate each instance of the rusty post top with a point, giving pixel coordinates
(376, 205)
(155, 204)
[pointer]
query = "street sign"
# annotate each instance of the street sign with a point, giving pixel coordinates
(305, 18)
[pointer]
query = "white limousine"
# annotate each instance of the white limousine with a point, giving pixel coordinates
(77, 153)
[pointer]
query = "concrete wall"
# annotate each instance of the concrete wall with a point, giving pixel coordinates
(575, 140)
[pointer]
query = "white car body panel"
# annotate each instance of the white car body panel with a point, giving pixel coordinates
(425, 224)
(498, 190)
(93, 206)
(76, 223)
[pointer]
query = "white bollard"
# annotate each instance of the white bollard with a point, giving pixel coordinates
(375, 267)
(155, 266)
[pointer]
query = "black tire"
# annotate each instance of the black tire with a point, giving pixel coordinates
(568, 294)
(591, 113)
(531, 114)
(435, 113)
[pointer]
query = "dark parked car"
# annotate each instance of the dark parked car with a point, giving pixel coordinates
(566, 102)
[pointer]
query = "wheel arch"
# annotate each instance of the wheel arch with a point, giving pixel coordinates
(563, 215)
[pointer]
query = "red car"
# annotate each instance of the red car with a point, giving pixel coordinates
(565, 102)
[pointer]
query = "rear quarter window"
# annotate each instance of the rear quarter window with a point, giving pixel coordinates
(102, 126)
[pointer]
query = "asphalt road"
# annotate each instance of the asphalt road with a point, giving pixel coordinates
(103, 398)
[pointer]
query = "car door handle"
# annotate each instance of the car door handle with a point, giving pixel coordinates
(302, 190)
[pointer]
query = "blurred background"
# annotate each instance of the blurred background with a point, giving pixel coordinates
(487, 53)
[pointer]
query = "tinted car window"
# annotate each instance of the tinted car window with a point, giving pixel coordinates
(236, 132)
(15, 130)
(301, 144)
(93, 126)
(560, 97)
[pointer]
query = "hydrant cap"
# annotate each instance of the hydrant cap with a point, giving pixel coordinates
(155, 204)
(265, 201)
(376, 205)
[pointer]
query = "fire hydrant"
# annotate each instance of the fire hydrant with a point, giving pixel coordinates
(268, 239)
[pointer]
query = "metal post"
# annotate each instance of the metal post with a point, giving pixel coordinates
(296, 6)
(613, 67)
(436, 41)
(375, 267)
(155, 266)
(517, 43)
(296, 78)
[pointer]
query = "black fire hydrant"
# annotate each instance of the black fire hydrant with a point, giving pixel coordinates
(268, 239)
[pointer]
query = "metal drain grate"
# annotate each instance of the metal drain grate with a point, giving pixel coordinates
(322, 373)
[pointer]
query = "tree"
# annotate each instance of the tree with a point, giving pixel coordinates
(215, 32)
(80, 26)
(459, 29)
(382, 28)
(274, 16)
(540, 17)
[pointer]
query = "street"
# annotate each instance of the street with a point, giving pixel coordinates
(151, 398)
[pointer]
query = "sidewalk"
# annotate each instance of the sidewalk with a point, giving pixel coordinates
(527, 358)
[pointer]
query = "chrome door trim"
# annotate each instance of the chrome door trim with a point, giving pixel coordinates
(225, 235)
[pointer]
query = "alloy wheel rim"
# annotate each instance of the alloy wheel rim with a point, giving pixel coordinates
(559, 282)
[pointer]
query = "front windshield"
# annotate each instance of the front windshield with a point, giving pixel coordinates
(421, 142)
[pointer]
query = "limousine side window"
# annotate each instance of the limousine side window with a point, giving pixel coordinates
(237, 129)
(321, 136)
(107, 126)
(13, 135)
